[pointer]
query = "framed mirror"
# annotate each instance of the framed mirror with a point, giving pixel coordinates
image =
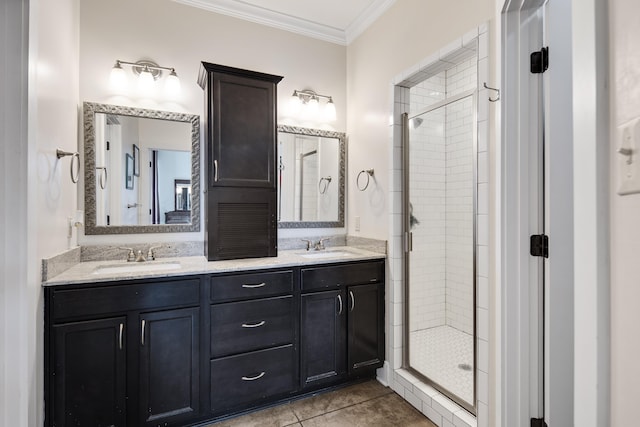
(311, 174)
(134, 160)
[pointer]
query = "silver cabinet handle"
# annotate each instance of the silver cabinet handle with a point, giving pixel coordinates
(340, 302)
(353, 300)
(144, 323)
(259, 285)
(253, 325)
(215, 170)
(120, 337)
(257, 377)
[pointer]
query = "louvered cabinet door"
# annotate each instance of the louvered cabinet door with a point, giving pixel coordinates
(242, 224)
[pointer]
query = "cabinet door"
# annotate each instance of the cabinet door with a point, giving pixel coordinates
(169, 365)
(241, 223)
(365, 328)
(89, 373)
(244, 132)
(322, 337)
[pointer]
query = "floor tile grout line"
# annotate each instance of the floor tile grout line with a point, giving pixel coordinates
(344, 407)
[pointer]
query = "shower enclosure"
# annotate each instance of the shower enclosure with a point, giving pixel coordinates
(440, 199)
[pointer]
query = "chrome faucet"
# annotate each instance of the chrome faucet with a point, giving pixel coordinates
(317, 246)
(138, 256)
(131, 256)
(151, 253)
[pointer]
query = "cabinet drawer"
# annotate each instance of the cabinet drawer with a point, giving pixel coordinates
(318, 278)
(246, 286)
(251, 377)
(239, 327)
(119, 298)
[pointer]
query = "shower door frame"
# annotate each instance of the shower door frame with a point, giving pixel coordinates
(408, 240)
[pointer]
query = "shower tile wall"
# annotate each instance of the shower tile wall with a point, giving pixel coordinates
(442, 200)
(459, 216)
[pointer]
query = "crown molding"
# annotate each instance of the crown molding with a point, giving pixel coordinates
(366, 18)
(263, 16)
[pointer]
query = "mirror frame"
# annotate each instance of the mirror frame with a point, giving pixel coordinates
(342, 140)
(90, 228)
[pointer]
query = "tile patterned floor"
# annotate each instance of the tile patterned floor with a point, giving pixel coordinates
(368, 404)
(437, 353)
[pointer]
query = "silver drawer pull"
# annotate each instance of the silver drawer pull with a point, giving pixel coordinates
(257, 377)
(340, 302)
(373, 280)
(353, 300)
(259, 285)
(253, 325)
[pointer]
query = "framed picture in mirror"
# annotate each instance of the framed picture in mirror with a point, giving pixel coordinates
(136, 160)
(128, 174)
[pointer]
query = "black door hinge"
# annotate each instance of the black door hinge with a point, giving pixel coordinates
(538, 422)
(539, 245)
(540, 61)
(108, 220)
(107, 145)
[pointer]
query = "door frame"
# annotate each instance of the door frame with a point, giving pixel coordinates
(576, 300)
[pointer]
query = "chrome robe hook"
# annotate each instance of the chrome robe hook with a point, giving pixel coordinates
(497, 98)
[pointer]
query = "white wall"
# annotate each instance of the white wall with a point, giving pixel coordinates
(37, 225)
(180, 36)
(625, 216)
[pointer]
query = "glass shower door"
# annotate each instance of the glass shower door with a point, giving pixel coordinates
(440, 182)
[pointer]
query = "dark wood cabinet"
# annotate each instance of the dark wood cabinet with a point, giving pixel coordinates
(254, 354)
(241, 124)
(365, 327)
(89, 373)
(189, 350)
(322, 337)
(169, 366)
(342, 321)
(121, 354)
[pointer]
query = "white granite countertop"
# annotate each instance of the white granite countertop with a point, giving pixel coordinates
(104, 271)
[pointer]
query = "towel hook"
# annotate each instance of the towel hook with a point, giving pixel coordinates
(60, 154)
(369, 174)
(497, 98)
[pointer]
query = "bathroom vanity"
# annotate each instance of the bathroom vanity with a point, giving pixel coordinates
(206, 340)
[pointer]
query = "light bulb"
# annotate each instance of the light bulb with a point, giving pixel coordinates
(172, 85)
(312, 105)
(295, 104)
(145, 80)
(330, 111)
(118, 78)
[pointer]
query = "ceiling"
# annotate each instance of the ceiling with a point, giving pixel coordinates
(336, 21)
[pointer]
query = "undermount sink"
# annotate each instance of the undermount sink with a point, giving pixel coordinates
(325, 254)
(137, 267)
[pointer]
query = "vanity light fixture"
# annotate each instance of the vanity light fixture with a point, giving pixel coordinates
(306, 103)
(148, 72)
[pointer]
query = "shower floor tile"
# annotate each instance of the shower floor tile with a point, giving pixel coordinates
(437, 353)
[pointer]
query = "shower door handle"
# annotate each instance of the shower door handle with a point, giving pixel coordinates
(408, 241)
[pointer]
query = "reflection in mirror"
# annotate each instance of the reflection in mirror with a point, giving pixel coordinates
(140, 196)
(311, 178)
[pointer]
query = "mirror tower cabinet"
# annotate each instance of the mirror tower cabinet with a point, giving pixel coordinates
(240, 168)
